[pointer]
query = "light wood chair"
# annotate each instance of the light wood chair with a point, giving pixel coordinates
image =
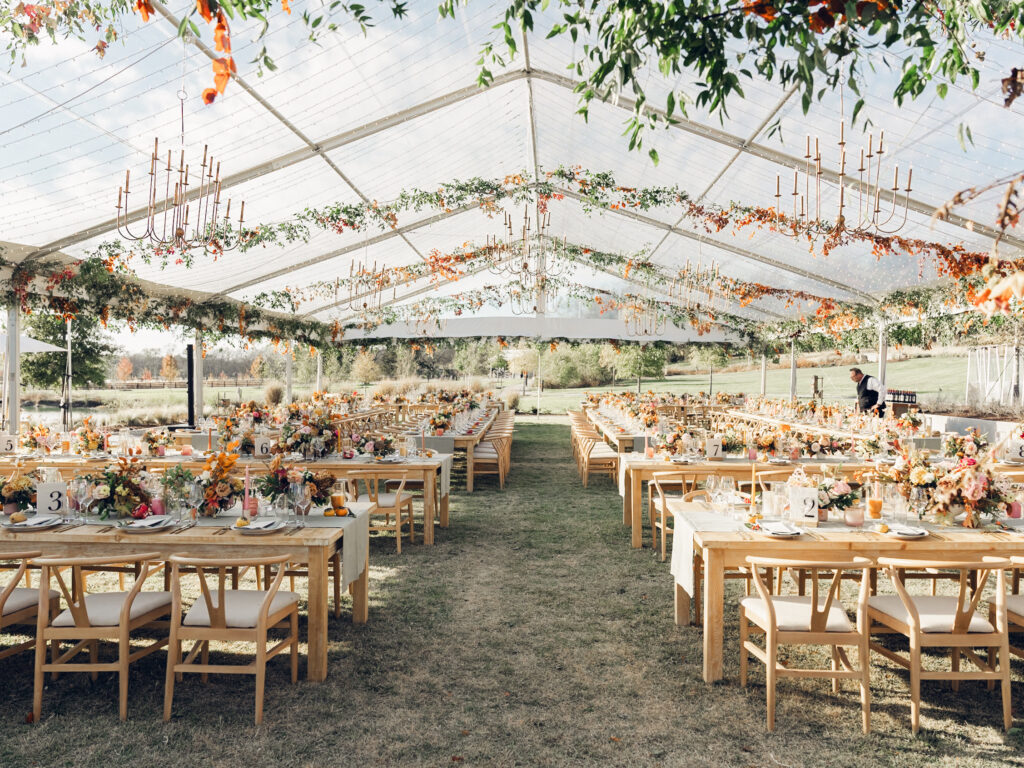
(932, 621)
(90, 618)
(660, 510)
(394, 506)
(491, 457)
(1014, 606)
(20, 605)
(813, 619)
(597, 457)
(230, 615)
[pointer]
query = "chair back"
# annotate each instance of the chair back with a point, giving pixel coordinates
(658, 478)
(968, 597)
(74, 594)
(372, 482)
(819, 571)
(220, 570)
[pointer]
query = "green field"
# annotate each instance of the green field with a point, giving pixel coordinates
(931, 377)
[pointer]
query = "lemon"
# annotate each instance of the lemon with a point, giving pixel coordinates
(19, 517)
(241, 522)
(883, 528)
(330, 513)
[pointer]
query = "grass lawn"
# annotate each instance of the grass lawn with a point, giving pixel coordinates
(530, 635)
(930, 377)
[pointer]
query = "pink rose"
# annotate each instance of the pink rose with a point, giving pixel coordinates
(842, 488)
(369, 446)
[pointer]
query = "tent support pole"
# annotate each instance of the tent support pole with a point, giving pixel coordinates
(792, 369)
(319, 371)
(13, 370)
(197, 391)
(67, 413)
(764, 373)
(288, 373)
(883, 352)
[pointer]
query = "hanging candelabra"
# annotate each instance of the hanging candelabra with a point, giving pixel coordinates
(182, 212)
(642, 316)
(366, 288)
(864, 205)
(694, 285)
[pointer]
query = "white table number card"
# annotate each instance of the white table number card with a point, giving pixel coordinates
(803, 505)
(52, 498)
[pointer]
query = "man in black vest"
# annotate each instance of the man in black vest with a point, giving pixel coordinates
(870, 392)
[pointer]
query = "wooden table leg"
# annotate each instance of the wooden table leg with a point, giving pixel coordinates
(469, 469)
(714, 605)
(316, 642)
(636, 509)
(429, 479)
(627, 491)
(444, 511)
(360, 591)
(682, 606)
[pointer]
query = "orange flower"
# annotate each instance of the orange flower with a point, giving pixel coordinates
(145, 8)
(222, 70)
(203, 6)
(209, 95)
(221, 35)
(286, 7)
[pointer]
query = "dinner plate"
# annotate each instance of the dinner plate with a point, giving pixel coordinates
(260, 527)
(779, 462)
(150, 524)
(36, 523)
(907, 533)
(780, 530)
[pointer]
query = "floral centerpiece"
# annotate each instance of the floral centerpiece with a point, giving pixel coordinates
(675, 442)
(373, 445)
(229, 431)
(732, 442)
(910, 421)
(835, 493)
(441, 420)
(252, 411)
(86, 439)
(274, 484)
(972, 485)
(119, 490)
(220, 489)
(157, 441)
(35, 438)
(17, 492)
(870, 446)
(648, 416)
(177, 480)
(314, 436)
(965, 446)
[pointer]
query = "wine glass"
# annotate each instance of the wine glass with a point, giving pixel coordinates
(711, 486)
(296, 497)
(727, 488)
(195, 497)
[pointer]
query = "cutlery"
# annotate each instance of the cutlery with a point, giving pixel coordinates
(220, 531)
(184, 527)
(293, 530)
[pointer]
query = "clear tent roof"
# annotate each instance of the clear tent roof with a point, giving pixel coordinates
(366, 116)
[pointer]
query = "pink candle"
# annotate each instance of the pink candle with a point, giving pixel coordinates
(1014, 509)
(186, 450)
(156, 506)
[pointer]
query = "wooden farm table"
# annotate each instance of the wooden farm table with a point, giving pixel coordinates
(312, 545)
(635, 469)
(433, 473)
(723, 550)
(623, 441)
(467, 442)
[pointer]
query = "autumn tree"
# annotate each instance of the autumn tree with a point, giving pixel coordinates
(364, 368)
(124, 369)
(168, 368)
(257, 370)
(147, 375)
